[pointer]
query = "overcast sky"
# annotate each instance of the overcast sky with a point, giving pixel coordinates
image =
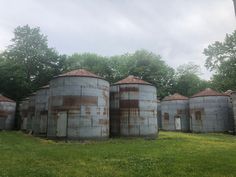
(178, 30)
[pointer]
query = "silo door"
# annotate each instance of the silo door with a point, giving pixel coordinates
(177, 123)
(62, 124)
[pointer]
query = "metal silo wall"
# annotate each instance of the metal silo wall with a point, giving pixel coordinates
(7, 115)
(231, 114)
(41, 112)
(31, 113)
(81, 105)
(234, 109)
(175, 108)
(159, 120)
(133, 110)
(214, 114)
(24, 106)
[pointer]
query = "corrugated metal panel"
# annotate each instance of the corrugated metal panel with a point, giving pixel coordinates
(172, 111)
(133, 110)
(7, 115)
(210, 114)
(86, 103)
(41, 111)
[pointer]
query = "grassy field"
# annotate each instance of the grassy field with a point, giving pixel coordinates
(172, 154)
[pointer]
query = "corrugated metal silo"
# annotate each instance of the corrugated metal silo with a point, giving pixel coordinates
(175, 113)
(78, 106)
(41, 111)
(31, 113)
(7, 113)
(24, 107)
(133, 110)
(209, 111)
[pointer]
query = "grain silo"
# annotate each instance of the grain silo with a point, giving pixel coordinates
(209, 111)
(7, 113)
(133, 108)
(78, 106)
(31, 113)
(24, 107)
(41, 111)
(175, 113)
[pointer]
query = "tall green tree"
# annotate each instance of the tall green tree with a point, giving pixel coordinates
(221, 59)
(28, 63)
(142, 63)
(188, 81)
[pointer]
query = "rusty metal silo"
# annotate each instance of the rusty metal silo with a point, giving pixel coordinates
(7, 113)
(78, 106)
(41, 111)
(24, 107)
(31, 113)
(133, 108)
(209, 111)
(175, 113)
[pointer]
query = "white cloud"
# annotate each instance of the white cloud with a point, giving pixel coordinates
(178, 30)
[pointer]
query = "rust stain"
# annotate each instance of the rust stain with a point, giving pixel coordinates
(129, 103)
(103, 121)
(127, 89)
(79, 100)
(196, 109)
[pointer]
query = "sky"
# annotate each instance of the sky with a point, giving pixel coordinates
(178, 30)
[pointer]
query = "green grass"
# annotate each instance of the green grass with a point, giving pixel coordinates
(172, 154)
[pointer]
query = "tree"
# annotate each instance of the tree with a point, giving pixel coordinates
(221, 58)
(143, 64)
(188, 81)
(28, 63)
(153, 69)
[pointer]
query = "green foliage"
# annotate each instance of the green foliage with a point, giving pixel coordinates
(28, 63)
(188, 81)
(172, 154)
(221, 58)
(143, 64)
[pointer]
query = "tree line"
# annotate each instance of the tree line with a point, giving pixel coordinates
(29, 63)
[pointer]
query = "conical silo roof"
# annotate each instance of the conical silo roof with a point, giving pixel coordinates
(208, 92)
(175, 96)
(79, 73)
(5, 99)
(132, 80)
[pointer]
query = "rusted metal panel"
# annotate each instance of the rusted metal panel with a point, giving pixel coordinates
(133, 110)
(172, 107)
(86, 102)
(7, 113)
(209, 112)
(79, 100)
(129, 103)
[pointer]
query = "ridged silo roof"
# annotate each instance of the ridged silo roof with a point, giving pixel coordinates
(132, 80)
(5, 99)
(79, 73)
(208, 92)
(175, 96)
